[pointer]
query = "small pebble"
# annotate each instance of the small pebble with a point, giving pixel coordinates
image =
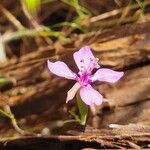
(45, 132)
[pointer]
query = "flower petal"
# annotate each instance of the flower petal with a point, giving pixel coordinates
(72, 92)
(90, 96)
(107, 75)
(83, 58)
(61, 69)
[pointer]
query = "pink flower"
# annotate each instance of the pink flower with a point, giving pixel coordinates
(85, 62)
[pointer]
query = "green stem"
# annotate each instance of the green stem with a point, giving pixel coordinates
(5, 113)
(71, 121)
(10, 115)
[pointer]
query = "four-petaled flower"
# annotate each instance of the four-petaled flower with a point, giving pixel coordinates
(85, 62)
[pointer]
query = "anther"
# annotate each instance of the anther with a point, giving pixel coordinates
(81, 60)
(91, 59)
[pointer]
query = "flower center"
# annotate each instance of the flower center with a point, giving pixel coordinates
(87, 65)
(84, 79)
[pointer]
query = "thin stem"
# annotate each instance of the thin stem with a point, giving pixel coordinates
(70, 121)
(7, 112)
(13, 120)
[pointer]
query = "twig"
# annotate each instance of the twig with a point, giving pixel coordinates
(131, 129)
(34, 22)
(2, 50)
(12, 18)
(14, 122)
(114, 12)
(7, 112)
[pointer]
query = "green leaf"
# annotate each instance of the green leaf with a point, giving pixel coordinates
(83, 110)
(3, 80)
(74, 25)
(32, 6)
(4, 113)
(79, 9)
(141, 4)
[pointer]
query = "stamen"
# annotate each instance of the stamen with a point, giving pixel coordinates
(92, 64)
(82, 67)
(91, 59)
(81, 70)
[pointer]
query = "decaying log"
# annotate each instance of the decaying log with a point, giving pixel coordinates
(123, 137)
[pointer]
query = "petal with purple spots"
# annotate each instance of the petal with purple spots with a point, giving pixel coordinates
(84, 59)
